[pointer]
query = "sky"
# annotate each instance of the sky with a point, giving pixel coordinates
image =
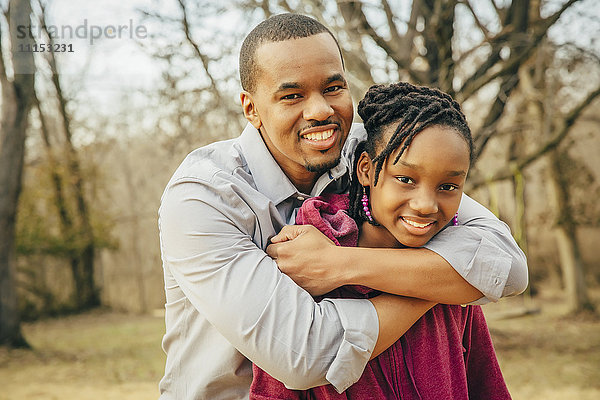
(106, 36)
(107, 39)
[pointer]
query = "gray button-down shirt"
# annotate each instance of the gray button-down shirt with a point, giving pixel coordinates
(227, 302)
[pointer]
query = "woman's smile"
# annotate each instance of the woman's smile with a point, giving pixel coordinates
(416, 227)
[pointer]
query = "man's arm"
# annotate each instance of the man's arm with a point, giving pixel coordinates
(259, 310)
(483, 251)
(459, 265)
(306, 255)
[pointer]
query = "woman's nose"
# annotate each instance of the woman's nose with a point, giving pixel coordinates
(424, 202)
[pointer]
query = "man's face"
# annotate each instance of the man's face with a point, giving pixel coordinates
(301, 105)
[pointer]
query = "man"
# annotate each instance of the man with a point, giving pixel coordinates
(228, 303)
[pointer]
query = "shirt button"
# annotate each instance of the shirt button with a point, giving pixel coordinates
(300, 198)
(497, 281)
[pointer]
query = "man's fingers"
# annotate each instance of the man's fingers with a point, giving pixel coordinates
(272, 251)
(288, 232)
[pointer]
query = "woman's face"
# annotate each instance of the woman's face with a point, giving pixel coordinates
(416, 197)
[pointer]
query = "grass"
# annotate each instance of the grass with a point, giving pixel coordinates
(106, 355)
(97, 355)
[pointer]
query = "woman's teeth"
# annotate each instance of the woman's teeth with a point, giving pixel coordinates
(417, 224)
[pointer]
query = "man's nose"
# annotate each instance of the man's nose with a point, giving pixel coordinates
(424, 202)
(317, 108)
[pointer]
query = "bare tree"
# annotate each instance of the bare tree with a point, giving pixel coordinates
(426, 48)
(540, 81)
(17, 100)
(76, 222)
(196, 92)
(569, 249)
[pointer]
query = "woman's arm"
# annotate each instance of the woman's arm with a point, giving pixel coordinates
(396, 315)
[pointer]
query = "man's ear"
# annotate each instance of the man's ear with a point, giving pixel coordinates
(249, 109)
(364, 169)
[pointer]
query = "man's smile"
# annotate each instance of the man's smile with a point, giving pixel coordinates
(324, 135)
(321, 138)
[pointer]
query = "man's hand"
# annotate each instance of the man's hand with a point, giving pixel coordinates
(305, 254)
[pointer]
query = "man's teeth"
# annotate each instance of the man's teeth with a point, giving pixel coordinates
(416, 224)
(323, 135)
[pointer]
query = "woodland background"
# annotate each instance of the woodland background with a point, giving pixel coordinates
(82, 170)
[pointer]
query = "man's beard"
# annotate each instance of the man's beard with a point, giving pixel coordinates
(323, 167)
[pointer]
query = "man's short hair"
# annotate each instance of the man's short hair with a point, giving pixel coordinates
(275, 29)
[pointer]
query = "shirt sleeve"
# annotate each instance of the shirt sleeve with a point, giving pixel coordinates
(483, 251)
(206, 239)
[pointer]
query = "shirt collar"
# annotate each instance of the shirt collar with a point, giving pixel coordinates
(268, 176)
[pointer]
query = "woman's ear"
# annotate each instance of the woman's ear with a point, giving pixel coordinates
(249, 109)
(364, 169)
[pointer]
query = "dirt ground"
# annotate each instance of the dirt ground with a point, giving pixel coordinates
(105, 355)
(546, 355)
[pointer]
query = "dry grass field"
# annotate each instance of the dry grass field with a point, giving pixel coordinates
(546, 355)
(106, 355)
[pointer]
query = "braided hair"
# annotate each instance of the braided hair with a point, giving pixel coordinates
(412, 108)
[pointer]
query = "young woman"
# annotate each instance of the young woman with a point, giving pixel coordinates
(408, 182)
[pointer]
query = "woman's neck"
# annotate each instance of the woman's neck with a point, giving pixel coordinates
(376, 237)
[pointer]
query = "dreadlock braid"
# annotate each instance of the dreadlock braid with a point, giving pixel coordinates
(355, 208)
(411, 109)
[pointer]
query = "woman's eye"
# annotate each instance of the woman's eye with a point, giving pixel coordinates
(448, 187)
(404, 179)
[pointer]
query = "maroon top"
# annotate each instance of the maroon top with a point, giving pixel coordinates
(446, 354)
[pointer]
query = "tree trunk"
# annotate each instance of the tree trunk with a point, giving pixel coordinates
(135, 236)
(87, 294)
(438, 34)
(17, 99)
(566, 239)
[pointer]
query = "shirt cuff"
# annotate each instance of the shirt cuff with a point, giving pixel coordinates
(361, 329)
(487, 271)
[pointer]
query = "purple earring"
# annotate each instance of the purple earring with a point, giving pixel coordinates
(365, 203)
(455, 219)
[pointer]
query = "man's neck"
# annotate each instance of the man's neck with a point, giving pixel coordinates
(305, 184)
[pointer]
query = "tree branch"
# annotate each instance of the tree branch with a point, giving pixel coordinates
(550, 20)
(3, 77)
(483, 76)
(387, 46)
(264, 5)
(203, 57)
(560, 134)
(478, 22)
(488, 128)
(286, 6)
(497, 9)
(389, 15)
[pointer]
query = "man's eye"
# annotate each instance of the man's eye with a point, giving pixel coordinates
(293, 96)
(405, 179)
(333, 89)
